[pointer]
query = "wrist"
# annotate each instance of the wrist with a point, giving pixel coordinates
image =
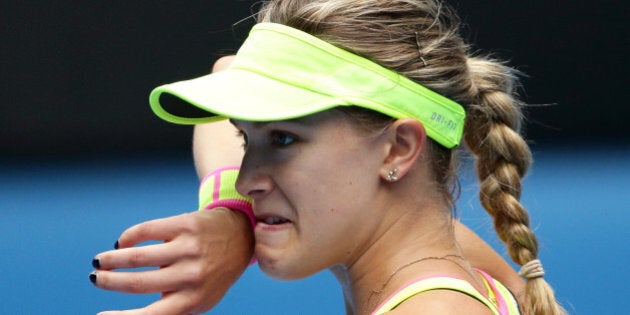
(225, 213)
(234, 228)
(236, 220)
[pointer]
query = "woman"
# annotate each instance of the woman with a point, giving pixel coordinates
(393, 155)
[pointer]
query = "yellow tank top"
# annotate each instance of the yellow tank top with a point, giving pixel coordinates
(499, 299)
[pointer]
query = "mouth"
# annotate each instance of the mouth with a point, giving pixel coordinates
(273, 220)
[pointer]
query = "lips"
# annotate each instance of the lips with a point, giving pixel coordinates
(273, 220)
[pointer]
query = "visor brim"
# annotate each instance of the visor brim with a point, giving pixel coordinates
(253, 98)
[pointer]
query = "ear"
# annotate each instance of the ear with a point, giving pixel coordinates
(407, 140)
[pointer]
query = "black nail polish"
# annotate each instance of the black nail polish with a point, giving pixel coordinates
(96, 263)
(116, 245)
(93, 277)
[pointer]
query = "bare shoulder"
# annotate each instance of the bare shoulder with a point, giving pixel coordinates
(446, 302)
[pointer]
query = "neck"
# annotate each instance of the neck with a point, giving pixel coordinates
(397, 256)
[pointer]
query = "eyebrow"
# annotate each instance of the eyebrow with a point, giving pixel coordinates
(261, 124)
(256, 124)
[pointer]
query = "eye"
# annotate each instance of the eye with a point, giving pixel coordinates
(281, 139)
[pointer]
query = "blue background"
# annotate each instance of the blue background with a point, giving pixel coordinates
(56, 214)
(79, 161)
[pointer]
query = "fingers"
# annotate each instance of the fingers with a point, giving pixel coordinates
(149, 281)
(164, 229)
(203, 255)
(130, 282)
(187, 236)
(145, 256)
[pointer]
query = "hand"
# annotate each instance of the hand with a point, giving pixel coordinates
(203, 254)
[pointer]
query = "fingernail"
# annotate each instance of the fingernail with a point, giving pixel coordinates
(93, 277)
(116, 245)
(96, 263)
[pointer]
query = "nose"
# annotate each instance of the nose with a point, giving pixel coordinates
(253, 179)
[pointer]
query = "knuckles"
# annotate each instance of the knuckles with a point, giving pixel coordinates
(144, 231)
(193, 276)
(136, 284)
(137, 258)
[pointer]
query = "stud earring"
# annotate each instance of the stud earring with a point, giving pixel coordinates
(392, 175)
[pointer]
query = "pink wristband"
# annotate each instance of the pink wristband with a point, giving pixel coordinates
(218, 189)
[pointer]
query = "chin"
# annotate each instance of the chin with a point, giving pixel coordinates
(282, 270)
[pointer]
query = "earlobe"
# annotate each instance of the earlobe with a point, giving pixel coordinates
(408, 139)
(392, 175)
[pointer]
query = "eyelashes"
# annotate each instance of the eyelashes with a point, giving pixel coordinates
(276, 138)
(281, 139)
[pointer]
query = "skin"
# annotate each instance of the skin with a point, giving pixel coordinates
(204, 252)
(300, 173)
(195, 277)
(281, 179)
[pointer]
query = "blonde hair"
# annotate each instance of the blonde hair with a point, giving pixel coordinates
(421, 40)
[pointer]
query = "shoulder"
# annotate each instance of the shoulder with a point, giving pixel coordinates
(441, 302)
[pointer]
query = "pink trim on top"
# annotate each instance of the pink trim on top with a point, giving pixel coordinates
(217, 187)
(503, 309)
(391, 296)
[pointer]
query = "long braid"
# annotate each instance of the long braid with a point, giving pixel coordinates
(503, 158)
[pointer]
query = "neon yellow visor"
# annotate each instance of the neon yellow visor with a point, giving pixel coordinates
(282, 73)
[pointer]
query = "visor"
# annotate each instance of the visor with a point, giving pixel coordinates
(282, 73)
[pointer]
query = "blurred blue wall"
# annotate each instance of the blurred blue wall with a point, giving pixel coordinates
(55, 215)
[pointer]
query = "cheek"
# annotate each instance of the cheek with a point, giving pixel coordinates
(332, 179)
(334, 192)
(342, 173)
